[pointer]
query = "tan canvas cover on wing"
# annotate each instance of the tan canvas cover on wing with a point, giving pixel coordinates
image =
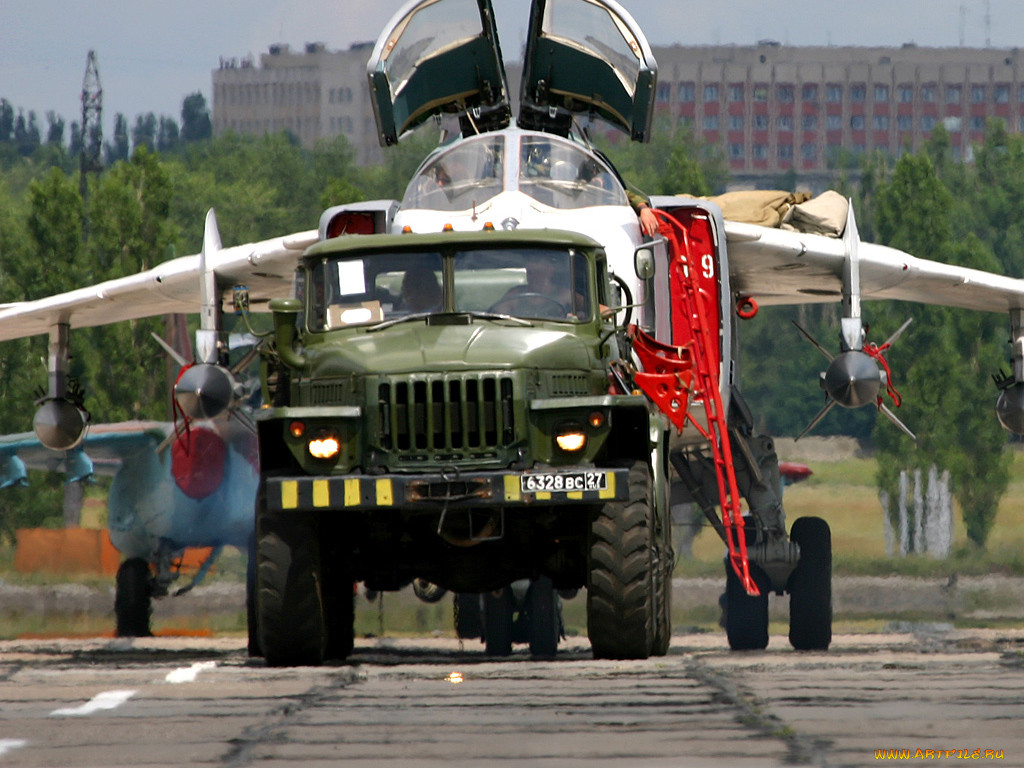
(822, 215)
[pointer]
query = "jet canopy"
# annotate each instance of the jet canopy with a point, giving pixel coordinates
(555, 172)
(443, 56)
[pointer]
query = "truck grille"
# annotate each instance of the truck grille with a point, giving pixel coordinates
(446, 414)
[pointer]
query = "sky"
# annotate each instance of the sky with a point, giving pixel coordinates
(153, 54)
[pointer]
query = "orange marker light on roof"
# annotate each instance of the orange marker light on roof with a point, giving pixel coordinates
(406, 230)
(488, 226)
(448, 228)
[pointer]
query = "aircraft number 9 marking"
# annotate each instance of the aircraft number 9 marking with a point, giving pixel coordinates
(707, 263)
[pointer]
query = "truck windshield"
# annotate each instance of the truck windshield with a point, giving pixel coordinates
(536, 283)
(530, 283)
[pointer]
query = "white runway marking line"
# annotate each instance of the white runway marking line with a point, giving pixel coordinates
(9, 745)
(99, 702)
(189, 674)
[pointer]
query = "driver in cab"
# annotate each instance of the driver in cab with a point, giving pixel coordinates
(546, 292)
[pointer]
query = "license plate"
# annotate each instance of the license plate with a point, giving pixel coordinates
(563, 481)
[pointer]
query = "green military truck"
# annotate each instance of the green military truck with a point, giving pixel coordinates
(454, 407)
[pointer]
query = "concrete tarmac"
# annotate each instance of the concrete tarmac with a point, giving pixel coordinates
(939, 695)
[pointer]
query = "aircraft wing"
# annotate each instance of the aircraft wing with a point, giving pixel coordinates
(264, 267)
(100, 452)
(776, 266)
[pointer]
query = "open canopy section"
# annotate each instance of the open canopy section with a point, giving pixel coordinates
(586, 56)
(438, 56)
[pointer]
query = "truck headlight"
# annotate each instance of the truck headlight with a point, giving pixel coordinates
(570, 438)
(324, 446)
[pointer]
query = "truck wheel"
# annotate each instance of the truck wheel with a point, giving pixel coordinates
(620, 582)
(498, 608)
(133, 598)
(542, 617)
(663, 624)
(810, 586)
(252, 620)
(290, 610)
(746, 617)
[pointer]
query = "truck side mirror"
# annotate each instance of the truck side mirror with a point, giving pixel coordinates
(643, 261)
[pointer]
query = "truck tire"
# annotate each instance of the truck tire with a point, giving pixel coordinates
(663, 624)
(542, 618)
(810, 586)
(290, 609)
(620, 581)
(746, 617)
(498, 610)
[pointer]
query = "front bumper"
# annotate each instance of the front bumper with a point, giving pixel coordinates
(571, 485)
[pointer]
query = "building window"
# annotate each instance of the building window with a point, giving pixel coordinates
(978, 123)
(809, 92)
(928, 93)
(835, 122)
(858, 92)
(906, 94)
(880, 122)
(833, 93)
(710, 122)
(711, 92)
(736, 92)
(881, 93)
(664, 93)
(785, 151)
(808, 151)
(857, 122)
(809, 122)
(905, 122)
(784, 93)
(1001, 94)
(735, 122)
(952, 94)
(735, 151)
(761, 92)
(978, 94)
(760, 151)
(686, 92)
(760, 122)
(785, 122)
(927, 123)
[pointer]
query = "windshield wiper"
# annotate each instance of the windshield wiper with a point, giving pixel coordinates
(397, 320)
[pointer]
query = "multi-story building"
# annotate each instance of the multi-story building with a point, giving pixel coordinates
(773, 110)
(314, 94)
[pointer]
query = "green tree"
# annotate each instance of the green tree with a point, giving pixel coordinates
(118, 148)
(195, 118)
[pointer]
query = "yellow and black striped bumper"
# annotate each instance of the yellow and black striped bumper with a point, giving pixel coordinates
(360, 492)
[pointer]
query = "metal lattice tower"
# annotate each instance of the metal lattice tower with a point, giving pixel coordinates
(92, 128)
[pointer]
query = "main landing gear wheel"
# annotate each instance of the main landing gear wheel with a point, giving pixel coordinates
(746, 616)
(289, 603)
(133, 598)
(543, 618)
(810, 586)
(498, 609)
(620, 583)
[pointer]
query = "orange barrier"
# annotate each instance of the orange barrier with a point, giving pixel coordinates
(66, 550)
(81, 551)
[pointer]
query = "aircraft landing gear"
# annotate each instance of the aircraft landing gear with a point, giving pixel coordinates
(810, 586)
(133, 598)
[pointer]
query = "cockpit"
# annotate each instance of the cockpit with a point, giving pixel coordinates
(554, 172)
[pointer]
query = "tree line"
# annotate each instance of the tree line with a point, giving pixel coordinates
(148, 205)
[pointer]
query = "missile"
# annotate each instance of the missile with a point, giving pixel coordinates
(852, 379)
(206, 390)
(59, 424)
